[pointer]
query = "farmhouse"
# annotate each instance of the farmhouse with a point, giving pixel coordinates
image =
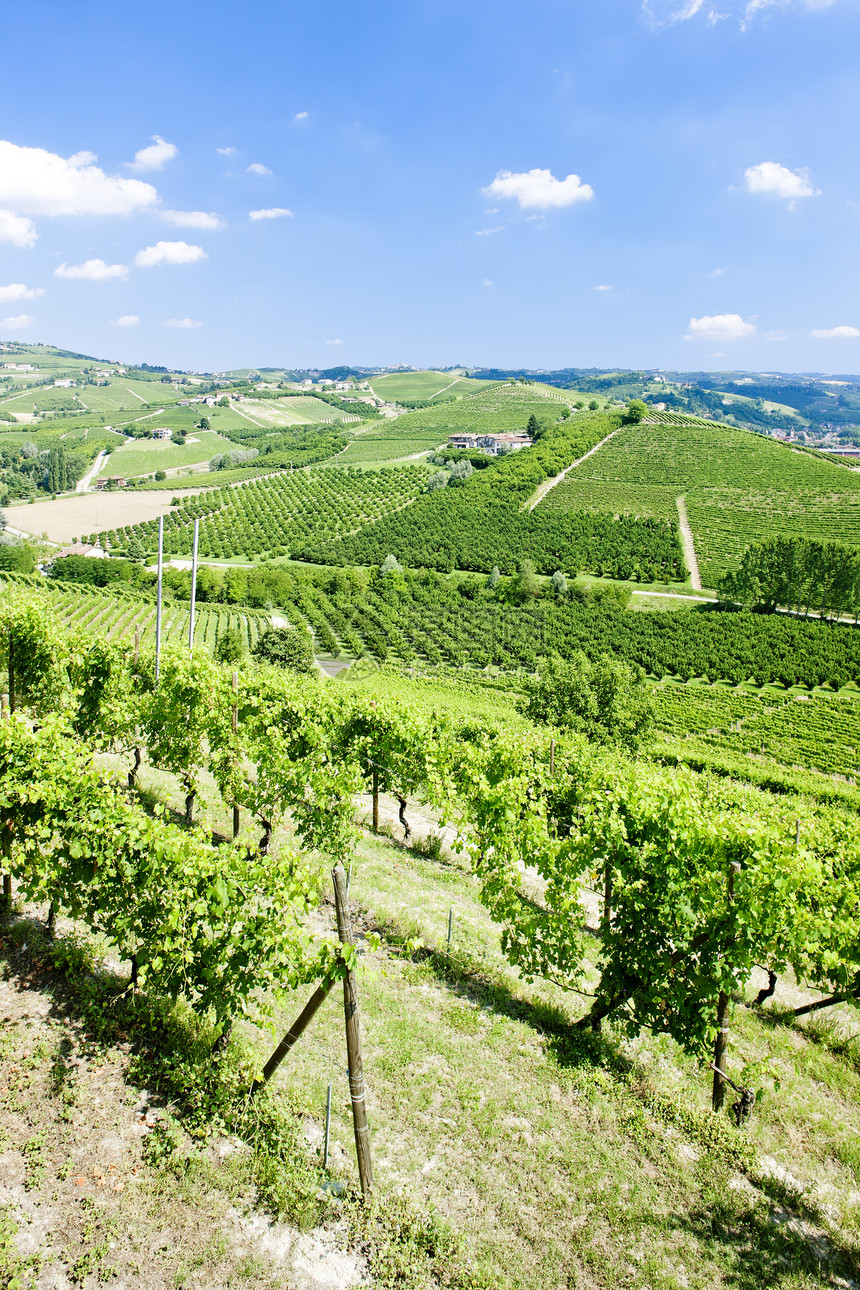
(163, 432)
(493, 444)
(118, 481)
(64, 384)
(84, 549)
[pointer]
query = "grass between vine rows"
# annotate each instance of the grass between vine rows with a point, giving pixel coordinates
(509, 1151)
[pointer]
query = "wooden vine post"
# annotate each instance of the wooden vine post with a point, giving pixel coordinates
(234, 720)
(11, 672)
(375, 799)
(357, 1089)
(722, 1041)
(7, 827)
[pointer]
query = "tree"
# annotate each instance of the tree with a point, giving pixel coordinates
(230, 647)
(593, 405)
(559, 583)
(636, 410)
(203, 424)
(285, 647)
(160, 475)
(494, 578)
(390, 565)
(135, 549)
(526, 586)
(607, 700)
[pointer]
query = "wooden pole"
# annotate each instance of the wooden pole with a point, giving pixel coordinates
(11, 673)
(136, 648)
(7, 867)
(353, 1039)
(193, 588)
(722, 1041)
(234, 722)
(375, 800)
(158, 597)
(295, 1032)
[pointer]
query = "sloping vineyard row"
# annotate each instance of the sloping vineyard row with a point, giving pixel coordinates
(271, 516)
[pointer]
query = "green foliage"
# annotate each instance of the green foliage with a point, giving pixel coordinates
(607, 700)
(286, 647)
(636, 410)
(17, 557)
(797, 574)
(230, 647)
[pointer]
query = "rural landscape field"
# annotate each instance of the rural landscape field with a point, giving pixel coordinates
(430, 646)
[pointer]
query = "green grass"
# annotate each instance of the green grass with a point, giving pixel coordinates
(422, 385)
(143, 456)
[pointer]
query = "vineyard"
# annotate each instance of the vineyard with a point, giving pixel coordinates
(740, 487)
(484, 1053)
(277, 516)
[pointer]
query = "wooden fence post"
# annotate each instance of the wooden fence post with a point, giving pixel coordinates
(295, 1032)
(353, 1039)
(234, 721)
(722, 1041)
(375, 800)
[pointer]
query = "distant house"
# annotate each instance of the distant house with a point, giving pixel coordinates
(163, 432)
(463, 440)
(64, 384)
(119, 481)
(82, 548)
(493, 444)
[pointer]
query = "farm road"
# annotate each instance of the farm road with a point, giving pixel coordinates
(687, 542)
(542, 489)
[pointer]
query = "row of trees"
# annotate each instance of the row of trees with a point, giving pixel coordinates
(702, 878)
(797, 574)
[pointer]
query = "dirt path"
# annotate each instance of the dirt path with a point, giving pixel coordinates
(687, 542)
(82, 485)
(542, 489)
(136, 395)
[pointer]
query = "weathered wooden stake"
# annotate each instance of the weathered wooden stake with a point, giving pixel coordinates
(353, 1040)
(327, 1127)
(136, 647)
(295, 1032)
(722, 1041)
(7, 867)
(797, 833)
(450, 925)
(11, 673)
(375, 800)
(234, 716)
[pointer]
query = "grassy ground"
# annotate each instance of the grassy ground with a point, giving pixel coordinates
(143, 456)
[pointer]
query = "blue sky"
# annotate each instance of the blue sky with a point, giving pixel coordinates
(548, 183)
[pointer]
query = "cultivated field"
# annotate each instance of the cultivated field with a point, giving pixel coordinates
(69, 518)
(422, 385)
(143, 456)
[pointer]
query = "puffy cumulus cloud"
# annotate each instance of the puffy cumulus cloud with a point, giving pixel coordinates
(334, 342)
(18, 230)
(191, 219)
(36, 182)
(771, 177)
(19, 323)
(169, 253)
(126, 320)
(835, 333)
(301, 116)
(92, 271)
(257, 168)
(271, 212)
(18, 291)
(226, 152)
(539, 189)
(719, 327)
(154, 155)
(185, 324)
(605, 286)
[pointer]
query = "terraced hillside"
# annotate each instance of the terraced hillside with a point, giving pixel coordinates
(493, 410)
(739, 487)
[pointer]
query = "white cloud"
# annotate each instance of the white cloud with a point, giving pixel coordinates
(226, 152)
(835, 333)
(18, 291)
(187, 324)
(36, 182)
(717, 273)
(718, 354)
(92, 271)
(720, 327)
(154, 155)
(488, 232)
(126, 320)
(539, 188)
(661, 13)
(301, 116)
(605, 286)
(18, 323)
(17, 230)
(334, 342)
(272, 212)
(771, 177)
(776, 335)
(191, 219)
(257, 168)
(169, 253)
(487, 282)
